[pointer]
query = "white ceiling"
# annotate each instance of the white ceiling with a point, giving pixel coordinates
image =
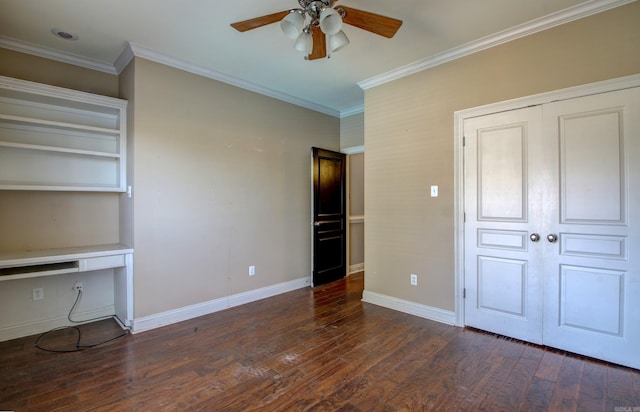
(195, 35)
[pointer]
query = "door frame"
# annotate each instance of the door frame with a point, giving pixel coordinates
(347, 151)
(458, 130)
(350, 151)
(345, 178)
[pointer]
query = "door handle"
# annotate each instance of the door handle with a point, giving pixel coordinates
(534, 237)
(552, 238)
(316, 223)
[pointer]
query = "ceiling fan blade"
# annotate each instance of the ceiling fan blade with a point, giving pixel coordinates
(319, 44)
(260, 21)
(375, 23)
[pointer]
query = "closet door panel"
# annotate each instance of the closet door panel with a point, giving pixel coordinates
(552, 224)
(502, 273)
(592, 272)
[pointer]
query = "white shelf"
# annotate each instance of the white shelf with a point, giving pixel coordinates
(23, 265)
(37, 257)
(58, 149)
(59, 139)
(32, 271)
(56, 124)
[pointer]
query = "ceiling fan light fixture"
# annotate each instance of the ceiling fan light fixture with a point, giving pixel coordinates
(304, 42)
(316, 26)
(292, 24)
(330, 21)
(338, 41)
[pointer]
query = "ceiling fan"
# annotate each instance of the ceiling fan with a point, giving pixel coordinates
(316, 19)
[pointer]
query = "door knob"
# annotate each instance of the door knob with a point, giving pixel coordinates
(534, 237)
(552, 238)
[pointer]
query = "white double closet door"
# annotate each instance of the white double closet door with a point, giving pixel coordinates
(552, 224)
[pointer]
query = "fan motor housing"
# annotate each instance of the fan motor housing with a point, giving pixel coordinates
(314, 8)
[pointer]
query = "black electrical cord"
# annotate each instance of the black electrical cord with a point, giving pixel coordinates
(78, 346)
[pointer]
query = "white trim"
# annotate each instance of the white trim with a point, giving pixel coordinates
(312, 205)
(353, 150)
(458, 220)
(267, 291)
(148, 54)
(41, 326)
(352, 111)
(459, 118)
(412, 308)
(534, 26)
(193, 311)
(132, 50)
(124, 58)
(356, 219)
(64, 57)
(123, 290)
(604, 86)
(27, 86)
(358, 267)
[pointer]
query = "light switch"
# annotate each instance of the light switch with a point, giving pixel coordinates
(434, 191)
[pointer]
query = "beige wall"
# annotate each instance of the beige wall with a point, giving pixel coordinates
(37, 69)
(352, 131)
(409, 141)
(127, 92)
(351, 136)
(221, 181)
(356, 209)
(44, 220)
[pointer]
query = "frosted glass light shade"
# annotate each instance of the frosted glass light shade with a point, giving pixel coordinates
(292, 25)
(338, 41)
(330, 21)
(304, 43)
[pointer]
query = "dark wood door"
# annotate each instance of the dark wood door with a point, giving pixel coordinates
(329, 216)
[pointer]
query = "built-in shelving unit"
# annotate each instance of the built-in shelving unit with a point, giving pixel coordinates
(30, 264)
(53, 138)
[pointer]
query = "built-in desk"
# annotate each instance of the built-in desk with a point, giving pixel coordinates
(51, 262)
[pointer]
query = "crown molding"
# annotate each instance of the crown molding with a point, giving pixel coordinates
(353, 150)
(152, 55)
(133, 50)
(125, 57)
(352, 111)
(64, 57)
(534, 26)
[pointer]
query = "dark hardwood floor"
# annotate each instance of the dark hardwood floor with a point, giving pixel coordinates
(319, 349)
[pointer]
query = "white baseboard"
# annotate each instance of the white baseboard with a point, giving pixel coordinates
(44, 325)
(193, 311)
(358, 267)
(412, 308)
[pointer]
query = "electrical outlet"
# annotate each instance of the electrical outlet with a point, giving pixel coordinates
(77, 287)
(37, 293)
(252, 270)
(414, 280)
